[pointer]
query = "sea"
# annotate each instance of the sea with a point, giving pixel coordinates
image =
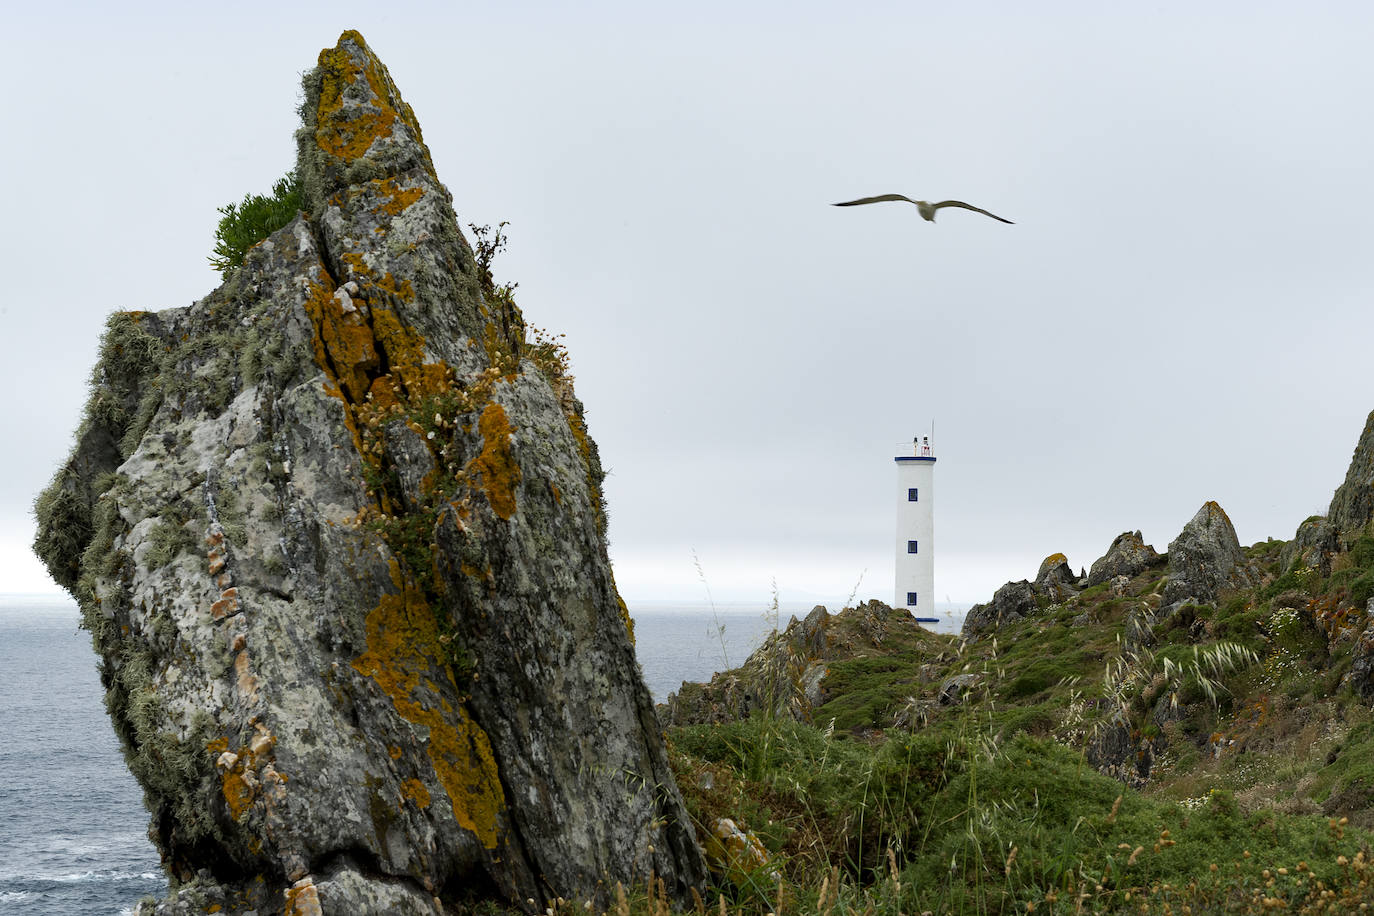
(73, 829)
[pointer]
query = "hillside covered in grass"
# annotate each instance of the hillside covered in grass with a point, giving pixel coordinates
(1179, 728)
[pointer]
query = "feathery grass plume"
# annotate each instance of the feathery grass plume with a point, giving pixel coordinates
(719, 629)
(849, 602)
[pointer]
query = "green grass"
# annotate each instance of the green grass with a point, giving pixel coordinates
(954, 822)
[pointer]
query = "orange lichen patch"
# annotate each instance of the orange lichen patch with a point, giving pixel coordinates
(425, 380)
(1054, 560)
(494, 467)
(415, 790)
(1214, 508)
(404, 656)
(243, 775)
(358, 269)
(349, 134)
(303, 899)
(227, 604)
(238, 793)
(344, 343)
(383, 393)
(739, 853)
(395, 198)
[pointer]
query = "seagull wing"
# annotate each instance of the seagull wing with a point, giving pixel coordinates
(960, 203)
(877, 200)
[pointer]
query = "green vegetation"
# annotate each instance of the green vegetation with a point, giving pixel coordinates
(248, 222)
(1243, 750)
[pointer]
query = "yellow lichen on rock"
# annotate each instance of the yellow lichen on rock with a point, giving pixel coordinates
(245, 773)
(495, 467)
(404, 656)
(415, 790)
(1214, 508)
(303, 899)
(348, 131)
(395, 198)
(738, 852)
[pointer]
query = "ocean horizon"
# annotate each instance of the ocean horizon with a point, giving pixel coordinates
(73, 829)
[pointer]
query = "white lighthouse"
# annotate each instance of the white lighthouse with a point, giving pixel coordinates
(915, 587)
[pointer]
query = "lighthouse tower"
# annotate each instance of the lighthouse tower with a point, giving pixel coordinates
(915, 588)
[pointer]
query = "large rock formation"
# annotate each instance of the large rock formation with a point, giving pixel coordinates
(1128, 556)
(1054, 583)
(1055, 578)
(337, 532)
(1348, 516)
(1205, 559)
(1012, 602)
(1352, 505)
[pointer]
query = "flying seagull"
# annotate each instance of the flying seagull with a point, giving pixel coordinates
(926, 208)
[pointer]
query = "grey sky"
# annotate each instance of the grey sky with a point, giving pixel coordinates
(1180, 313)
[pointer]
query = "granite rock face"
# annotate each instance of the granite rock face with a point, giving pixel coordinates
(1348, 516)
(1128, 556)
(338, 534)
(1205, 559)
(1312, 546)
(1010, 603)
(1352, 506)
(1055, 578)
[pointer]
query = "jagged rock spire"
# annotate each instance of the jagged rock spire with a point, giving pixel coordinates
(339, 539)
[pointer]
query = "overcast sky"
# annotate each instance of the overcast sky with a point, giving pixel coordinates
(1180, 313)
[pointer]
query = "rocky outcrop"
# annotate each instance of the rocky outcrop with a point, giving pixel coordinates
(1128, 556)
(1352, 509)
(1311, 547)
(1055, 578)
(1205, 559)
(1054, 583)
(1352, 506)
(337, 532)
(785, 676)
(1010, 603)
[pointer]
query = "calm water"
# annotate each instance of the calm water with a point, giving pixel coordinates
(72, 822)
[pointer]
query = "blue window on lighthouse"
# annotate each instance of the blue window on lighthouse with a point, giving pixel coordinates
(911, 494)
(910, 599)
(910, 546)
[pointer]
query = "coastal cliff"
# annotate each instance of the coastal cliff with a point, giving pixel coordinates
(338, 534)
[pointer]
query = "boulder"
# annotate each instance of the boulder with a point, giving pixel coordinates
(1010, 603)
(338, 535)
(1055, 579)
(1311, 547)
(955, 689)
(1205, 559)
(1128, 556)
